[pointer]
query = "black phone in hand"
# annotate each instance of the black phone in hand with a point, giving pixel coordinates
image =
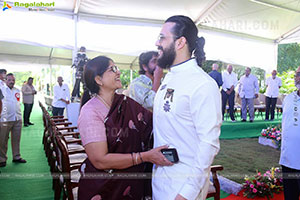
(171, 154)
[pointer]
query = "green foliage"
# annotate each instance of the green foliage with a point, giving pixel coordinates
(125, 77)
(288, 83)
(288, 57)
(206, 66)
(21, 77)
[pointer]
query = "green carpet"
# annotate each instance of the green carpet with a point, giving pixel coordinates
(238, 129)
(31, 180)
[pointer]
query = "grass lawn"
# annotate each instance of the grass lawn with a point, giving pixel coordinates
(241, 157)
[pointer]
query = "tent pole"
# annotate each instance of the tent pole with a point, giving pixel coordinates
(50, 63)
(131, 68)
(75, 46)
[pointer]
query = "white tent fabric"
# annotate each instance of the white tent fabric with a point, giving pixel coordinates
(244, 32)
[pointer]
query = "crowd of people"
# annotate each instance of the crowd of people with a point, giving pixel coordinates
(248, 90)
(182, 113)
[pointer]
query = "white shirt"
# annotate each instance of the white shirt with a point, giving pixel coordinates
(248, 86)
(60, 92)
(186, 116)
(11, 108)
(229, 80)
(290, 151)
(273, 87)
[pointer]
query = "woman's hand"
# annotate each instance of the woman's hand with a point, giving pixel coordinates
(156, 157)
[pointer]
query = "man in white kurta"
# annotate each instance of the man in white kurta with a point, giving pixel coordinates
(290, 151)
(248, 90)
(273, 84)
(61, 97)
(186, 116)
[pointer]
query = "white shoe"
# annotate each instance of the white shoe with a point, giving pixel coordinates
(233, 121)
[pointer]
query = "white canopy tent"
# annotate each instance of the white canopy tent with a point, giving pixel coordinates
(244, 32)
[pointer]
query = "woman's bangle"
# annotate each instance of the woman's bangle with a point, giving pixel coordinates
(136, 158)
(141, 157)
(132, 159)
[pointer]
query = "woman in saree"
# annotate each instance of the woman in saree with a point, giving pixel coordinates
(116, 134)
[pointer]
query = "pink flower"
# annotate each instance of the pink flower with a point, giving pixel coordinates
(251, 185)
(258, 184)
(259, 174)
(254, 190)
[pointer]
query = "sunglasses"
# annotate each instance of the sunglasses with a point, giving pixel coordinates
(161, 37)
(114, 68)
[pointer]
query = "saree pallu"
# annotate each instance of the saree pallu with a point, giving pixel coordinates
(128, 129)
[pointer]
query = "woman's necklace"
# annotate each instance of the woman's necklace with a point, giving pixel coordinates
(103, 101)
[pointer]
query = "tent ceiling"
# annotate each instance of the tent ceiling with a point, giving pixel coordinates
(125, 28)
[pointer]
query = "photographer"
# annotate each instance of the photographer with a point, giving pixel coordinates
(79, 64)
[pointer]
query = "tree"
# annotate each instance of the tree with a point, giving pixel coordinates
(288, 57)
(125, 77)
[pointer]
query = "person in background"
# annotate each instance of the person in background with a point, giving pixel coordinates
(228, 94)
(28, 93)
(2, 85)
(290, 151)
(11, 122)
(248, 90)
(143, 88)
(187, 113)
(115, 131)
(216, 75)
(1, 97)
(61, 97)
(273, 84)
(2, 78)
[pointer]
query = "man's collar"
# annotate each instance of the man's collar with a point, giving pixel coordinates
(181, 66)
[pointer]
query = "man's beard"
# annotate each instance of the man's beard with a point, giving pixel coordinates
(151, 71)
(168, 56)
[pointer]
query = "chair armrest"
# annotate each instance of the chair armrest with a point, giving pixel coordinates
(63, 123)
(69, 133)
(74, 141)
(76, 151)
(60, 119)
(56, 117)
(215, 168)
(66, 128)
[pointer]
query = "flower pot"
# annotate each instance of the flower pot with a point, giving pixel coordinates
(268, 142)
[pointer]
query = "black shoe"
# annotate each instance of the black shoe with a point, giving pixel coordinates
(29, 123)
(243, 120)
(20, 160)
(26, 125)
(2, 164)
(251, 121)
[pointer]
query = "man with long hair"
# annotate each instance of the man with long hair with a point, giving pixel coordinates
(187, 113)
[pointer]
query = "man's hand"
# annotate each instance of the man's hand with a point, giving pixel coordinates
(179, 197)
(228, 92)
(256, 95)
(158, 73)
(157, 76)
